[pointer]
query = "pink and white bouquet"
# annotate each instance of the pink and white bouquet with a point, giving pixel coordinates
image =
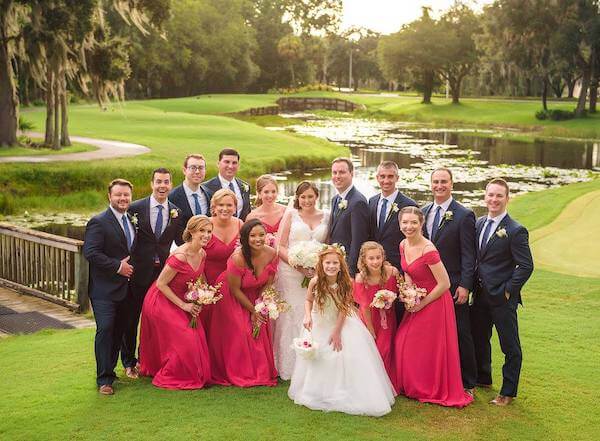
(201, 294)
(304, 347)
(383, 299)
(269, 305)
(304, 254)
(410, 294)
(270, 240)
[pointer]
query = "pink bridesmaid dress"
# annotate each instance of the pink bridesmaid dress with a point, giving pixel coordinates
(384, 320)
(170, 351)
(237, 358)
(426, 359)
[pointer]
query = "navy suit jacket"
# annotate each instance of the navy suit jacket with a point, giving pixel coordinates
(455, 241)
(104, 246)
(147, 245)
(350, 227)
(390, 235)
(505, 263)
(178, 197)
(214, 185)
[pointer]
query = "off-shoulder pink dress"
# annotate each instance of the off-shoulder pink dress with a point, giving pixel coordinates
(170, 351)
(426, 361)
(384, 320)
(237, 358)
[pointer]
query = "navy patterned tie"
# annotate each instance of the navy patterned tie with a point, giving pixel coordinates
(159, 222)
(436, 222)
(127, 232)
(197, 207)
(486, 234)
(382, 213)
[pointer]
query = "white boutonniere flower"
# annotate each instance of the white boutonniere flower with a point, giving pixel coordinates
(448, 215)
(501, 232)
(174, 213)
(134, 219)
(343, 204)
(246, 187)
(395, 208)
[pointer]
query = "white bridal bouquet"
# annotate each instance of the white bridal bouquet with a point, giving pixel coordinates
(304, 254)
(304, 347)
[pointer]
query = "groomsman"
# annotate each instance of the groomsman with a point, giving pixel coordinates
(451, 227)
(109, 238)
(158, 222)
(191, 197)
(383, 212)
(504, 264)
(349, 221)
(228, 165)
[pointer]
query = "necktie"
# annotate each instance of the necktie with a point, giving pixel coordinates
(336, 201)
(486, 234)
(239, 210)
(127, 232)
(382, 213)
(436, 222)
(159, 222)
(197, 207)
(231, 187)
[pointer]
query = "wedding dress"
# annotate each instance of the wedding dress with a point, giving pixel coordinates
(289, 283)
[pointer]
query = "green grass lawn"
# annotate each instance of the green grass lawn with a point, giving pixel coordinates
(35, 151)
(48, 389)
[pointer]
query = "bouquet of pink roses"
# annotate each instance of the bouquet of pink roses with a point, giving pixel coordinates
(383, 299)
(269, 305)
(305, 347)
(201, 293)
(410, 294)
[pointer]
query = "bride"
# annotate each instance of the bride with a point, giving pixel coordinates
(303, 222)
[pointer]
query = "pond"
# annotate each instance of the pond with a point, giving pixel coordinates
(475, 157)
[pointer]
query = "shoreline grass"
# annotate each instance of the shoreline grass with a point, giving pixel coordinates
(24, 150)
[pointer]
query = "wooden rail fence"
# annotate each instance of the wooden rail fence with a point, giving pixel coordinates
(44, 265)
(300, 104)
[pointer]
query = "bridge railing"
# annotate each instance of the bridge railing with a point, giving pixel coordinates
(44, 265)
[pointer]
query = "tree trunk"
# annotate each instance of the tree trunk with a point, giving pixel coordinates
(593, 94)
(557, 87)
(49, 133)
(527, 86)
(455, 90)
(9, 101)
(57, 93)
(293, 76)
(65, 141)
(585, 84)
(571, 87)
(427, 86)
(545, 93)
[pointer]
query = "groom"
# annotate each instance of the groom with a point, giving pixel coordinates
(109, 239)
(349, 220)
(504, 264)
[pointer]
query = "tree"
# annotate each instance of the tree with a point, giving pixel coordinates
(290, 49)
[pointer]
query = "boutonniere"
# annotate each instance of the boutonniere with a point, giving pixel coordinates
(174, 213)
(448, 215)
(501, 232)
(343, 204)
(395, 208)
(134, 219)
(246, 187)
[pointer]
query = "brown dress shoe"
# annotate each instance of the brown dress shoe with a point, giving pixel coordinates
(106, 389)
(501, 400)
(132, 373)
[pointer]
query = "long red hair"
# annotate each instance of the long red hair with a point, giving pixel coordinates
(342, 296)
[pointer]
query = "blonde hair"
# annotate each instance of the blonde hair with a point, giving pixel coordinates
(219, 195)
(342, 296)
(194, 224)
(362, 264)
(412, 210)
(261, 183)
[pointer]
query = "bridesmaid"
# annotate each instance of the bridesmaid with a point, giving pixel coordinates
(170, 351)
(267, 210)
(224, 240)
(426, 361)
(237, 358)
(375, 273)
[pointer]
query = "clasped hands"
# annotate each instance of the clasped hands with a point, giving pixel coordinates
(126, 270)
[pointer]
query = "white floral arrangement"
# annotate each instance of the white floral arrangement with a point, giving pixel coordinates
(342, 205)
(501, 232)
(174, 213)
(134, 219)
(448, 215)
(305, 347)
(304, 254)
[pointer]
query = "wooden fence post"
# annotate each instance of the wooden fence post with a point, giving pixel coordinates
(82, 269)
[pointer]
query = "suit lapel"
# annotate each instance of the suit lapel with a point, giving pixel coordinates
(146, 224)
(391, 215)
(339, 212)
(478, 228)
(373, 204)
(494, 236)
(440, 231)
(426, 211)
(116, 226)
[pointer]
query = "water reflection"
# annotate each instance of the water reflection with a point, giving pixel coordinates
(474, 158)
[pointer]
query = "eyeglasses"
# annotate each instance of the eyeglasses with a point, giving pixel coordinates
(196, 168)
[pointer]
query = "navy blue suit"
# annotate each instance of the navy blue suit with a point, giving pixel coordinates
(349, 226)
(503, 266)
(178, 197)
(214, 185)
(104, 247)
(146, 269)
(455, 241)
(389, 236)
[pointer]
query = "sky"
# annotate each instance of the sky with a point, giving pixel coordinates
(387, 16)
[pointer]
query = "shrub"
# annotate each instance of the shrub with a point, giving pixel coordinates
(24, 124)
(555, 114)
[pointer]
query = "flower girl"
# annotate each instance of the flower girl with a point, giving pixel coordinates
(342, 370)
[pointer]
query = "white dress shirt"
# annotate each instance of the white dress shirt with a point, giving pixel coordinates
(154, 213)
(191, 200)
(444, 207)
(236, 189)
(496, 221)
(391, 199)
